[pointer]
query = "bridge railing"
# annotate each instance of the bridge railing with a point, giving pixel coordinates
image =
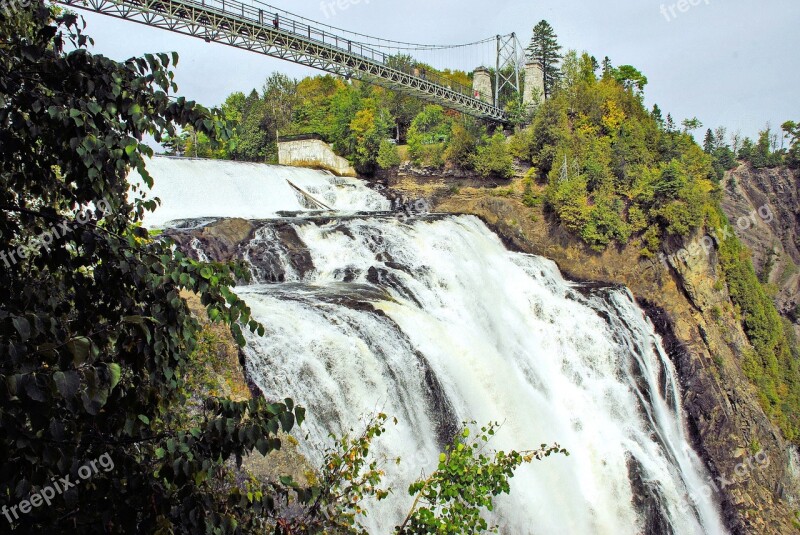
(290, 24)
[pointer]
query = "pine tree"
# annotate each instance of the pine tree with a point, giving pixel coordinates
(656, 114)
(670, 126)
(545, 50)
(607, 67)
(710, 142)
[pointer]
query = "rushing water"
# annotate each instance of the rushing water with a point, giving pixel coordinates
(431, 320)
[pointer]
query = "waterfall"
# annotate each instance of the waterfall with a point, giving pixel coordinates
(430, 319)
(191, 188)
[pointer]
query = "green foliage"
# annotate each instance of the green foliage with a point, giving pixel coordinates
(761, 153)
(464, 138)
(368, 130)
(388, 155)
(791, 130)
(428, 136)
(350, 478)
(545, 50)
(492, 157)
(611, 167)
(630, 78)
(94, 336)
(452, 499)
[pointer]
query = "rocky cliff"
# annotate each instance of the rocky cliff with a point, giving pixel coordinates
(763, 206)
(751, 465)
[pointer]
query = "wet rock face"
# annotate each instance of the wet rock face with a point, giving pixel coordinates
(219, 241)
(763, 206)
(276, 253)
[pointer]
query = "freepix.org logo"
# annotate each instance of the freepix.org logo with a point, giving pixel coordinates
(46, 238)
(56, 487)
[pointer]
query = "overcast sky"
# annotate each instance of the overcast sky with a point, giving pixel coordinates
(729, 62)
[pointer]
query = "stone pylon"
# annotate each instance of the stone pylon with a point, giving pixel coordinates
(482, 84)
(534, 84)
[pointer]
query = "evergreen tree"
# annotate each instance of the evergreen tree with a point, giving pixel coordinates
(709, 143)
(670, 126)
(792, 131)
(607, 67)
(545, 50)
(656, 114)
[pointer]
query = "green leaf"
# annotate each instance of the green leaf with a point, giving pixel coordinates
(67, 383)
(80, 348)
(22, 326)
(144, 419)
(115, 371)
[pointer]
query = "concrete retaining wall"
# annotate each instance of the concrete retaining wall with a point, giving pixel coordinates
(313, 153)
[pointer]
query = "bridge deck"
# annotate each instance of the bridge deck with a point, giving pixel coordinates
(251, 27)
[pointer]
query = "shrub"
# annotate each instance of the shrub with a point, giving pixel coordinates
(388, 155)
(493, 158)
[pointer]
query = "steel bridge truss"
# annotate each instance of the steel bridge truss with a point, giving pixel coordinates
(250, 27)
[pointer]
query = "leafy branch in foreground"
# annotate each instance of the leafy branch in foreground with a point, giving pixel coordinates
(94, 335)
(453, 498)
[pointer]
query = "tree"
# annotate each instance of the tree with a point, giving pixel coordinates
(369, 128)
(791, 130)
(545, 50)
(736, 142)
(252, 136)
(94, 336)
(607, 67)
(670, 124)
(630, 78)
(463, 142)
(388, 155)
(428, 136)
(709, 142)
(452, 499)
(656, 114)
(493, 158)
(691, 124)
(761, 154)
(280, 98)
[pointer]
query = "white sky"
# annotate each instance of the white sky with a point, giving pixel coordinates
(729, 62)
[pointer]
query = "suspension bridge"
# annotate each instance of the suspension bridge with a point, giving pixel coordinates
(265, 29)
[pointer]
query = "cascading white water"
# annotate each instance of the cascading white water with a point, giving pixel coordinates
(504, 337)
(433, 321)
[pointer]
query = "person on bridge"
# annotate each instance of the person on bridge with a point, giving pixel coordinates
(276, 21)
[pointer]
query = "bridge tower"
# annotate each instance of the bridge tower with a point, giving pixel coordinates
(482, 84)
(534, 85)
(509, 59)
